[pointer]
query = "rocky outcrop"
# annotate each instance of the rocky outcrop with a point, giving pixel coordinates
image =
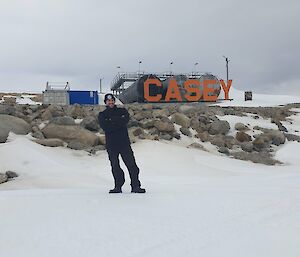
(69, 133)
(54, 126)
(14, 124)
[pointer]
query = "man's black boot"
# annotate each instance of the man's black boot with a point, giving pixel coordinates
(115, 190)
(138, 190)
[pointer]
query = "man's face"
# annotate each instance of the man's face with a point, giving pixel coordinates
(110, 103)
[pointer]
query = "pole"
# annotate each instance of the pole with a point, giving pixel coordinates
(196, 63)
(140, 67)
(227, 61)
(227, 70)
(171, 68)
(100, 85)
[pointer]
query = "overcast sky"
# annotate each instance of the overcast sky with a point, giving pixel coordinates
(81, 41)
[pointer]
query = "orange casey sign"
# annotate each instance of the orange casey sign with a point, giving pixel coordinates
(191, 87)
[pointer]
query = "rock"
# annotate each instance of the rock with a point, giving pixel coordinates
(176, 135)
(165, 119)
(204, 136)
(185, 109)
(14, 124)
(229, 141)
(46, 115)
(258, 128)
(102, 140)
(63, 120)
(260, 142)
(181, 119)
(240, 127)
(185, 131)
(90, 123)
(242, 137)
(35, 128)
(277, 137)
(3, 135)
(38, 135)
(218, 141)
(34, 108)
(223, 150)
(197, 146)
(69, 133)
(280, 126)
(131, 112)
(142, 115)
(133, 123)
(219, 127)
(132, 138)
(55, 110)
(160, 113)
(292, 137)
(255, 157)
(3, 178)
(51, 142)
(203, 119)
(10, 100)
(77, 111)
(11, 174)
(76, 145)
(247, 146)
(147, 124)
(99, 148)
(96, 148)
(165, 136)
(164, 126)
(137, 131)
(153, 131)
(194, 123)
(7, 109)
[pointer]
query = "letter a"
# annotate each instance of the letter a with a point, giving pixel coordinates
(173, 91)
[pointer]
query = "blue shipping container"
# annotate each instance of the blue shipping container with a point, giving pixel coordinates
(83, 97)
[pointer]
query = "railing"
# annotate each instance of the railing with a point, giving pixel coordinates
(64, 86)
(122, 77)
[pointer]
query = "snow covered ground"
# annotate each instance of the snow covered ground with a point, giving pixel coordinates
(257, 99)
(197, 203)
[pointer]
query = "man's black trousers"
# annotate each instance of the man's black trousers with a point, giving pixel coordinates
(129, 160)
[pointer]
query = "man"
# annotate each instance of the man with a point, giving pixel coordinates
(113, 121)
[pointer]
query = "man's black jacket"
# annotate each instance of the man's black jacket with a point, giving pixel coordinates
(114, 123)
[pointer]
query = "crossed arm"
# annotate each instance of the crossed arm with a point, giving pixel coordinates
(113, 123)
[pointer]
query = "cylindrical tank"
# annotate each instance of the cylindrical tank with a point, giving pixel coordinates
(135, 92)
(216, 86)
(180, 79)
